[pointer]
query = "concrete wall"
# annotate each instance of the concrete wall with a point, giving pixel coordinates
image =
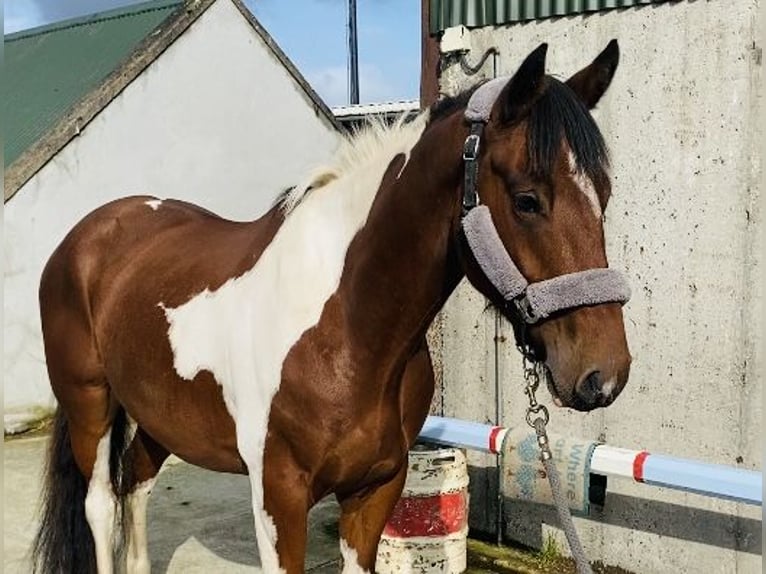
(215, 120)
(682, 122)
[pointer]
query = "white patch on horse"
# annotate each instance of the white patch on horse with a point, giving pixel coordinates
(242, 332)
(154, 203)
(101, 506)
(608, 387)
(132, 428)
(584, 184)
(138, 547)
(350, 559)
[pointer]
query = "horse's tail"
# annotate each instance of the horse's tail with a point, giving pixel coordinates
(64, 542)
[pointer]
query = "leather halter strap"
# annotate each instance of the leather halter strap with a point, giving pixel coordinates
(534, 301)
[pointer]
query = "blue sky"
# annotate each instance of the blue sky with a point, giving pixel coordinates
(311, 32)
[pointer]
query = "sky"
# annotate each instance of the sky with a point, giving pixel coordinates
(311, 32)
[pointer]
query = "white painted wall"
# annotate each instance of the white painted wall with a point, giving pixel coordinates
(215, 120)
(682, 121)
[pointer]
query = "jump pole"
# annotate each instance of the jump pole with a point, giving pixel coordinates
(713, 480)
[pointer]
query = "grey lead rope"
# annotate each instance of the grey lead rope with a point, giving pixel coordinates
(565, 516)
(537, 418)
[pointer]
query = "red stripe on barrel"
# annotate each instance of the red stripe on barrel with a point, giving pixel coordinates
(638, 466)
(493, 439)
(428, 516)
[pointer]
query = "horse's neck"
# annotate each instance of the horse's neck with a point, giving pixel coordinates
(403, 262)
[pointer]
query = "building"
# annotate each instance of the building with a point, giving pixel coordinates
(683, 118)
(353, 116)
(185, 99)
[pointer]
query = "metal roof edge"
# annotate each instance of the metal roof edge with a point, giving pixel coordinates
(474, 14)
(395, 107)
(81, 113)
(318, 102)
(87, 19)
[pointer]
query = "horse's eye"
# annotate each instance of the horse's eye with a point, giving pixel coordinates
(526, 203)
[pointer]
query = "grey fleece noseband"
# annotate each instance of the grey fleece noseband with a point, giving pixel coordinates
(534, 301)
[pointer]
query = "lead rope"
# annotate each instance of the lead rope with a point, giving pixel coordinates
(537, 418)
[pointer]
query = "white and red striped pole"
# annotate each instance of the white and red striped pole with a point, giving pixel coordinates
(714, 480)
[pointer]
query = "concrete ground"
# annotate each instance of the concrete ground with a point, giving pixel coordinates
(199, 521)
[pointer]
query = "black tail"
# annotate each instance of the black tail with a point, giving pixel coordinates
(64, 542)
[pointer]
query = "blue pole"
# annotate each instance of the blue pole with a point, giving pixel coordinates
(709, 479)
(456, 432)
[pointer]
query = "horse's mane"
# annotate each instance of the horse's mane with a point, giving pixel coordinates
(450, 104)
(373, 142)
(558, 113)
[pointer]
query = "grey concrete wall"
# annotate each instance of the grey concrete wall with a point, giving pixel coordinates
(682, 121)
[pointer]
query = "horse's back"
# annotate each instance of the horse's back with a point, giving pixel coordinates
(111, 228)
(147, 242)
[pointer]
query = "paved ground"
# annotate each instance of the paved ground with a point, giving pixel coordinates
(199, 521)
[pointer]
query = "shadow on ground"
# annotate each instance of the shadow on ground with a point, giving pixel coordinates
(197, 517)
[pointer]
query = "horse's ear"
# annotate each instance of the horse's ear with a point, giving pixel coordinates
(524, 88)
(591, 82)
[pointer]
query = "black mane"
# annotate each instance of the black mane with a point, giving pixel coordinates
(558, 113)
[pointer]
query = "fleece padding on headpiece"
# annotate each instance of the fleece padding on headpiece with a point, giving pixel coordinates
(491, 255)
(482, 100)
(589, 287)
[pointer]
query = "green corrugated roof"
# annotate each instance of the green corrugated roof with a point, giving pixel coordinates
(48, 69)
(475, 13)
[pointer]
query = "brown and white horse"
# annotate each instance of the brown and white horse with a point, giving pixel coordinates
(292, 348)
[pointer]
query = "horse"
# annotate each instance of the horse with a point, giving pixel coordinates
(293, 348)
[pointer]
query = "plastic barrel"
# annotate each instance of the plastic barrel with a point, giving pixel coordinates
(428, 527)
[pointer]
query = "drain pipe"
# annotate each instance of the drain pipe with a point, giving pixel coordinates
(499, 338)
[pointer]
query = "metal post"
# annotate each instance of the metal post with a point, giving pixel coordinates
(353, 72)
(498, 421)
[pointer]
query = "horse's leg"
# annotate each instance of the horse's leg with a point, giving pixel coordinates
(281, 501)
(90, 414)
(362, 519)
(146, 457)
(364, 514)
(87, 411)
(101, 507)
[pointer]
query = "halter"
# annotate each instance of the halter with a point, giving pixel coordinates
(534, 301)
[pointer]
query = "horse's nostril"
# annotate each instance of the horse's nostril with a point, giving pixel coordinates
(592, 384)
(593, 391)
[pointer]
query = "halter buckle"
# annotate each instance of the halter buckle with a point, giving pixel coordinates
(471, 147)
(525, 309)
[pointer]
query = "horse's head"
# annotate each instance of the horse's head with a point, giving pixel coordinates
(542, 172)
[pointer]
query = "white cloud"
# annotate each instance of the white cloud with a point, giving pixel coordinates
(21, 15)
(331, 83)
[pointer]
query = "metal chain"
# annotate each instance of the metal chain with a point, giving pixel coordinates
(537, 418)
